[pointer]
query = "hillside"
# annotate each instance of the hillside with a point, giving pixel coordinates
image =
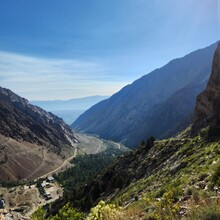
(176, 175)
(132, 114)
(31, 139)
(176, 178)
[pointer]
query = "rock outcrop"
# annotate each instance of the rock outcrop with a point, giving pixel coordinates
(207, 112)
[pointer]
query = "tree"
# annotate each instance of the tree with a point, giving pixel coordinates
(67, 212)
(150, 142)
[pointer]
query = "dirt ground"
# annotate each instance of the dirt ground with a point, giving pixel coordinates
(26, 199)
(22, 201)
(23, 160)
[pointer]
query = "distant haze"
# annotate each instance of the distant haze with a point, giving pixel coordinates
(69, 110)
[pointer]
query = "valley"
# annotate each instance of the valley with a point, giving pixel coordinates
(24, 199)
(92, 145)
(169, 179)
(160, 103)
(110, 110)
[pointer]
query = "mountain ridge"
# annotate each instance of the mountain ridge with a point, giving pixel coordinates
(114, 118)
(69, 110)
(176, 178)
(32, 141)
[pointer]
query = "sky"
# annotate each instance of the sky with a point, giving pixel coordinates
(53, 49)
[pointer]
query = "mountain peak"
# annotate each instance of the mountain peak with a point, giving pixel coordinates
(207, 112)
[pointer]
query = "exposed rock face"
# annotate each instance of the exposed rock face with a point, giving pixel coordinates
(207, 112)
(25, 122)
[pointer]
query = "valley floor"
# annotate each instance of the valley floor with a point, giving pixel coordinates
(21, 201)
(92, 145)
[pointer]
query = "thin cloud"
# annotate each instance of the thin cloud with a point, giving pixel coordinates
(41, 78)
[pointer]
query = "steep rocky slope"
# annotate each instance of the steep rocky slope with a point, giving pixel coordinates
(129, 115)
(208, 102)
(22, 121)
(168, 118)
(31, 139)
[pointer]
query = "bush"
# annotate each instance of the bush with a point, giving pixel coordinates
(189, 190)
(167, 208)
(104, 211)
(208, 209)
(66, 212)
(39, 214)
(215, 179)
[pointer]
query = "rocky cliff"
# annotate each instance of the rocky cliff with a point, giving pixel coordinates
(207, 112)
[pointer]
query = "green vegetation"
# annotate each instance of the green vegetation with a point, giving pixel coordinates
(104, 211)
(215, 180)
(207, 210)
(172, 179)
(85, 168)
(11, 183)
(75, 179)
(40, 188)
(66, 212)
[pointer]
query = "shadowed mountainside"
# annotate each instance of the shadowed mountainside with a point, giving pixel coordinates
(133, 114)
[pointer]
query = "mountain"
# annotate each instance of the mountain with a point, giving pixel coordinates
(69, 110)
(208, 102)
(30, 137)
(176, 178)
(137, 111)
(68, 115)
(169, 117)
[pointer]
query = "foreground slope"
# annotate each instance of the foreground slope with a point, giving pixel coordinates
(30, 138)
(128, 115)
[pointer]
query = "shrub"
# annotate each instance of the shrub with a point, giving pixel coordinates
(167, 208)
(39, 214)
(215, 179)
(202, 176)
(104, 211)
(66, 212)
(189, 190)
(208, 209)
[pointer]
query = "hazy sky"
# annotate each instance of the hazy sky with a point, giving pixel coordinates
(61, 49)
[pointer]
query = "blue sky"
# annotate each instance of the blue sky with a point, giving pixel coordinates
(53, 49)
